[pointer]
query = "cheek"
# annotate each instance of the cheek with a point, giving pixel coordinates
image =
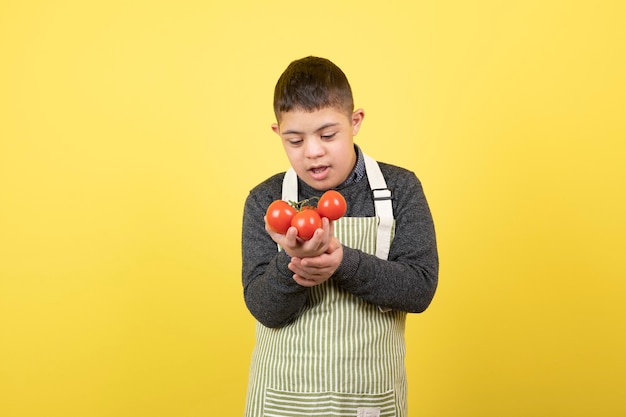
(293, 155)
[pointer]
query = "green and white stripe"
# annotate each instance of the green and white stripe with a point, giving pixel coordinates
(341, 354)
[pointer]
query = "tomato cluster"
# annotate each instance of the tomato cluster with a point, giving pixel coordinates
(305, 217)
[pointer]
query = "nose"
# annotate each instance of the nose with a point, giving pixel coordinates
(314, 148)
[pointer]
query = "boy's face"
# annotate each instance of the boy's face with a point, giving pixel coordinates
(319, 144)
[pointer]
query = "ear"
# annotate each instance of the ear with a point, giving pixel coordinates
(357, 118)
(275, 128)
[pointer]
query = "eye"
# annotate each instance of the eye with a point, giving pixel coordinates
(294, 141)
(328, 136)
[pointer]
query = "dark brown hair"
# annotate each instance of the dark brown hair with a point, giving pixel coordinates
(312, 84)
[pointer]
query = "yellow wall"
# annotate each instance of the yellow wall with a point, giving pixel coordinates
(131, 132)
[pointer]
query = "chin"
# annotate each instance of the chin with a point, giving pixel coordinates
(324, 185)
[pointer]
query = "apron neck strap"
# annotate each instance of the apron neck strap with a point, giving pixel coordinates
(382, 203)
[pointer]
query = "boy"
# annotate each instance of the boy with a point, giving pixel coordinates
(331, 310)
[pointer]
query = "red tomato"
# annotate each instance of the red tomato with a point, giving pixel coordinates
(307, 222)
(332, 205)
(279, 215)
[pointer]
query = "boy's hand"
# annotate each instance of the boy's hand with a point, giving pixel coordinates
(299, 248)
(312, 271)
(315, 260)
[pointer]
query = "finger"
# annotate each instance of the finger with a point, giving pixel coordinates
(295, 266)
(307, 266)
(317, 244)
(316, 276)
(309, 274)
(327, 224)
(291, 237)
(304, 282)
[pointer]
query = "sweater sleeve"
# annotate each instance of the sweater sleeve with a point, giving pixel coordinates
(270, 293)
(408, 279)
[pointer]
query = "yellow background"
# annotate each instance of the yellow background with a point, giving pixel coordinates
(131, 132)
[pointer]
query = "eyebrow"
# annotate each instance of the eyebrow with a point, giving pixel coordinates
(296, 132)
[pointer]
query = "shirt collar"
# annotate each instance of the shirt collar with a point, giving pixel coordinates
(358, 172)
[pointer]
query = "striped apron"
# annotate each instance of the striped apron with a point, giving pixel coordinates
(342, 356)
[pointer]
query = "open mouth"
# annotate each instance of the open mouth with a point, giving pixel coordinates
(319, 172)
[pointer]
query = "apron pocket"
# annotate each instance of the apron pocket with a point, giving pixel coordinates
(300, 404)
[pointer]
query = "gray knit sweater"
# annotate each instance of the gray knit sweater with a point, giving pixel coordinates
(405, 282)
